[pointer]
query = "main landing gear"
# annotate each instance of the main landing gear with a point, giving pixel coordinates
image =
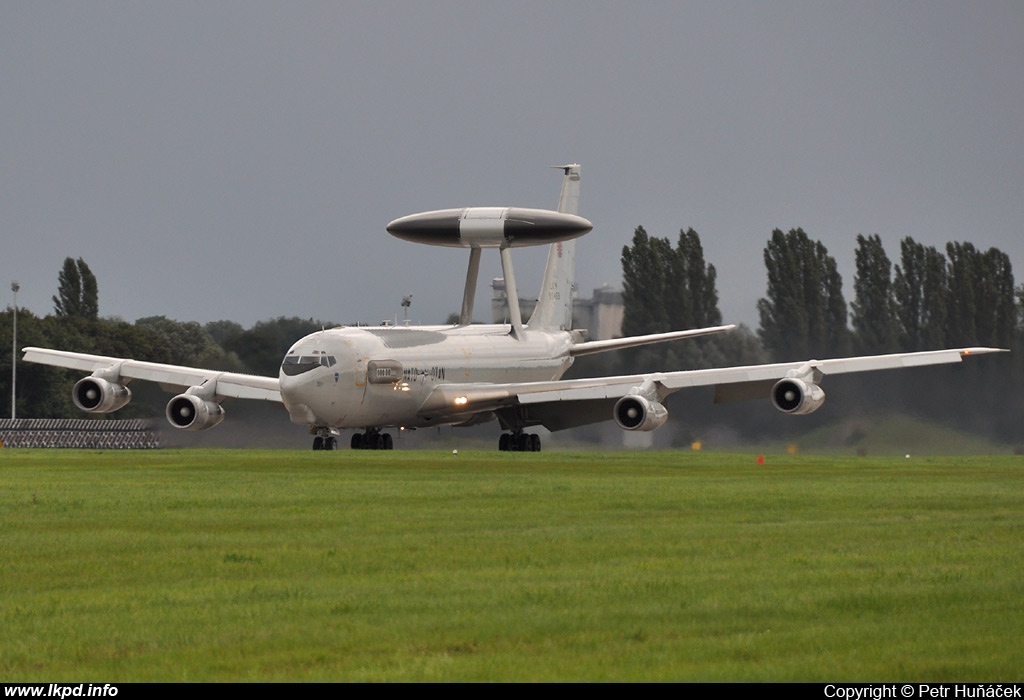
(372, 439)
(519, 441)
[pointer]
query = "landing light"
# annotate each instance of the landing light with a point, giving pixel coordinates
(461, 400)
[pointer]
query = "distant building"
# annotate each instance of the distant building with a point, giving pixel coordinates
(601, 315)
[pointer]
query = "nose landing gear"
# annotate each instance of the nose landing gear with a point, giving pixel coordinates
(325, 442)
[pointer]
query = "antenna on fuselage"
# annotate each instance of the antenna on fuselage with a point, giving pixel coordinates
(406, 303)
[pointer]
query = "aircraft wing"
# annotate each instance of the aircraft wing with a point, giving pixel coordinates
(573, 402)
(169, 377)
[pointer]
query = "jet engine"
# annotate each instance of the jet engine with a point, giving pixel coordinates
(97, 395)
(797, 396)
(634, 412)
(191, 412)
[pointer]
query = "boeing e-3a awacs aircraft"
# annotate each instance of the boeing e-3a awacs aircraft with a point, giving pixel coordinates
(373, 378)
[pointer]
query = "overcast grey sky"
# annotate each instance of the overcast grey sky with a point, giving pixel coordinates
(240, 160)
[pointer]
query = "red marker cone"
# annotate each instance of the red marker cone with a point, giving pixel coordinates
(760, 459)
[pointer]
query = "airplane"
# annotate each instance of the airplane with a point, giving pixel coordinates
(371, 379)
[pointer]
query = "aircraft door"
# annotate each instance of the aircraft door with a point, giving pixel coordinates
(354, 392)
(360, 371)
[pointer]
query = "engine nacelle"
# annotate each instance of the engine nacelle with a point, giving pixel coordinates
(96, 395)
(190, 412)
(797, 396)
(634, 412)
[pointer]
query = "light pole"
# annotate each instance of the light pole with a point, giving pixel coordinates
(14, 348)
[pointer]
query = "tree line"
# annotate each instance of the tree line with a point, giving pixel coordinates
(929, 300)
(75, 324)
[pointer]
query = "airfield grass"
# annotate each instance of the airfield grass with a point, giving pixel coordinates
(222, 565)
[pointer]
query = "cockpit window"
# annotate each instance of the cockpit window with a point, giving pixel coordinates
(297, 364)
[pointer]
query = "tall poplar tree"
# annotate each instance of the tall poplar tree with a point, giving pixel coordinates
(668, 288)
(692, 295)
(980, 297)
(997, 313)
(804, 313)
(873, 317)
(644, 280)
(964, 267)
(920, 294)
(77, 291)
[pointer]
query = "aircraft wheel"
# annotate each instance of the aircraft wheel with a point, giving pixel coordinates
(389, 443)
(318, 443)
(534, 442)
(503, 442)
(357, 441)
(522, 443)
(330, 443)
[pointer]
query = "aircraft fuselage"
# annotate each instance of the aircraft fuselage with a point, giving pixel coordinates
(354, 377)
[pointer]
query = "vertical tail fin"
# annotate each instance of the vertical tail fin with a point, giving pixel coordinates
(554, 303)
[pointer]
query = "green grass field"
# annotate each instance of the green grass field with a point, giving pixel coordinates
(222, 565)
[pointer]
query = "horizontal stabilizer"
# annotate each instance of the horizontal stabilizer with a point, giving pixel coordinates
(638, 340)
